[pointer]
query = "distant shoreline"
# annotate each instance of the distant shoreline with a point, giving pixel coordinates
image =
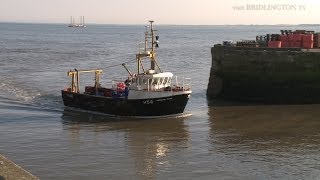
(10, 22)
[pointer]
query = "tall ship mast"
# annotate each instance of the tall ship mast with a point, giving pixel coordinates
(73, 24)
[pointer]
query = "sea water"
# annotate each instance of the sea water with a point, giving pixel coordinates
(215, 142)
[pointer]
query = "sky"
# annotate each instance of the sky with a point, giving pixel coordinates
(179, 12)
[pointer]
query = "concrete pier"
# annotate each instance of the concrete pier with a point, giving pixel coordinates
(265, 75)
(11, 171)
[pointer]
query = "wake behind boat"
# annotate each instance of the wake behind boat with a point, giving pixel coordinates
(149, 92)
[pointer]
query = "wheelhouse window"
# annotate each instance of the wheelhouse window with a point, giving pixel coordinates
(169, 80)
(160, 81)
(165, 80)
(155, 81)
(144, 81)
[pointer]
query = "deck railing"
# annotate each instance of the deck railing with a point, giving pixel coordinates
(185, 86)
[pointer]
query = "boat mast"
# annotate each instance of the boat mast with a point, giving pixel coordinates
(153, 54)
(149, 49)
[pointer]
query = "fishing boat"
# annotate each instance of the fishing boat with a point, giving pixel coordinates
(147, 92)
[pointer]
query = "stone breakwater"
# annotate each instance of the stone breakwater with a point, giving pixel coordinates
(9, 171)
(265, 75)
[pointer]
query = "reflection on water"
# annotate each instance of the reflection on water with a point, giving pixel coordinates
(274, 141)
(268, 122)
(150, 142)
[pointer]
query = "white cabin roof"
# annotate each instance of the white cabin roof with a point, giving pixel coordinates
(156, 75)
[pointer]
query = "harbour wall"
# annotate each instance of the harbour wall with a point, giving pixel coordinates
(10, 170)
(265, 75)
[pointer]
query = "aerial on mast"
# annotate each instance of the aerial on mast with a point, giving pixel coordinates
(150, 43)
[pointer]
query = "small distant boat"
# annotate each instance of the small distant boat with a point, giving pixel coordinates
(73, 24)
(149, 92)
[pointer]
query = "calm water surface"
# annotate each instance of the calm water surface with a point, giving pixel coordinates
(216, 142)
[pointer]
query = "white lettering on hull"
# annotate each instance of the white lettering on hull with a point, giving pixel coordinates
(147, 101)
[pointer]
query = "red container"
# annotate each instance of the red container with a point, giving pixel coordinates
(307, 45)
(295, 37)
(284, 41)
(284, 38)
(295, 44)
(307, 38)
(295, 40)
(285, 44)
(307, 41)
(274, 44)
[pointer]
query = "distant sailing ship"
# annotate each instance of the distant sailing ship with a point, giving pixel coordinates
(73, 24)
